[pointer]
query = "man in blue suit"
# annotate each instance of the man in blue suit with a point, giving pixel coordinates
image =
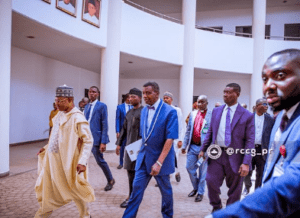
(121, 112)
(279, 196)
(96, 113)
(159, 127)
(196, 130)
(263, 127)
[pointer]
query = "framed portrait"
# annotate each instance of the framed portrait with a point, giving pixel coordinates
(91, 12)
(48, 1)
(68, 6)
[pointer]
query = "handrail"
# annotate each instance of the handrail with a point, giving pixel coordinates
(152, 12)
(204, 28)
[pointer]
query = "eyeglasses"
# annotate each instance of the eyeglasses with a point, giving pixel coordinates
(264, 104)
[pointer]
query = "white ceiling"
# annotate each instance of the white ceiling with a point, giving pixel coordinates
(53, 44)
(175, 6)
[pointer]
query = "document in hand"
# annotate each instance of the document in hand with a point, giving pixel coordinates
(133, 149)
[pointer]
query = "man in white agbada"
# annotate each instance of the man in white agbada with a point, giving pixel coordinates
(62, 166)
(168, 98)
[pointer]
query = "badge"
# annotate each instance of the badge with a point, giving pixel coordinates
(282, 151)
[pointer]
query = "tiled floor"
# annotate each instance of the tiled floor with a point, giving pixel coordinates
(17, 196)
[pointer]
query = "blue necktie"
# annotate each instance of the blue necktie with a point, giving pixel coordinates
(228, 129)
(88, 112)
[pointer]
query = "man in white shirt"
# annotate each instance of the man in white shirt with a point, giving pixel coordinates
(66, 5)
(263, 128)
(168, 99)
(91, 15)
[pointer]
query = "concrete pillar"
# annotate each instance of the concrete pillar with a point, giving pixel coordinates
(186, 82)
(258, 34)
(110, 66)
(5, 62)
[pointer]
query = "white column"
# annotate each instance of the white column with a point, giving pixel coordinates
(186, 82)
(258, 34)
(110, 66)
(5, 62)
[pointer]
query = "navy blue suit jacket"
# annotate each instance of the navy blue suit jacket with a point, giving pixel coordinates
(120, 117)
(165, 127)
(279, 196)
(98, 123)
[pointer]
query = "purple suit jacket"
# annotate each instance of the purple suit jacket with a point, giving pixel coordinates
(242, 135)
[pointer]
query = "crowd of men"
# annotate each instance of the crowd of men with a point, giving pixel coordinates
(227, 143)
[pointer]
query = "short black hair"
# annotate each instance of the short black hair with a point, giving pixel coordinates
(236, 87)
(154, 86)
(95, 87)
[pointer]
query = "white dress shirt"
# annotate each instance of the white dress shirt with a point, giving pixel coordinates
(92, 105)
(151, 113)
(259, 124)
(221, 132)
(180, 129)
(90, 18)
(69, 7)
(127, 107)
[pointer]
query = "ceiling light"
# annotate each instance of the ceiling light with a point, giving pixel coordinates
(30, 37)
(130, 62)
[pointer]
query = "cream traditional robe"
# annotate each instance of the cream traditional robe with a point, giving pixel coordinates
(70, 144)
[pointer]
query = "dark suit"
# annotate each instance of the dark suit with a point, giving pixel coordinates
(259, 159)
(120, 117)
(227, 166)
(99, 128)
(279, 196)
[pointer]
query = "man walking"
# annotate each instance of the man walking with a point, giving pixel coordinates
(159, 127)
(263, 127)
(63, 161)
(168, 99)
(279, 196)
(131, 131)
(121, 112)
(232, 126)
(96, 113)
(195, 134)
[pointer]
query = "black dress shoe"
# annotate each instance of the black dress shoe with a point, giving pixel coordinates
(124, 203)
(198, 198)
(245, 192)
(110, 185)
(177, 177)
(216, 209)
(193, 193)
(119, 167)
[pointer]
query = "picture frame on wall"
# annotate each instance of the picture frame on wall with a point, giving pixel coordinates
(91, 12)
(48, 1)
(67, 6)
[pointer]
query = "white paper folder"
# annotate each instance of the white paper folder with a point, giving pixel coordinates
(133, 149)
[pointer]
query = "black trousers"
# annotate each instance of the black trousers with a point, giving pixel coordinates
(258, 162)
(131, 174)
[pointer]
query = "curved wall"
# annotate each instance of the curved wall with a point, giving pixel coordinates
(148, 36)
(49, 15)
(223, 52)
